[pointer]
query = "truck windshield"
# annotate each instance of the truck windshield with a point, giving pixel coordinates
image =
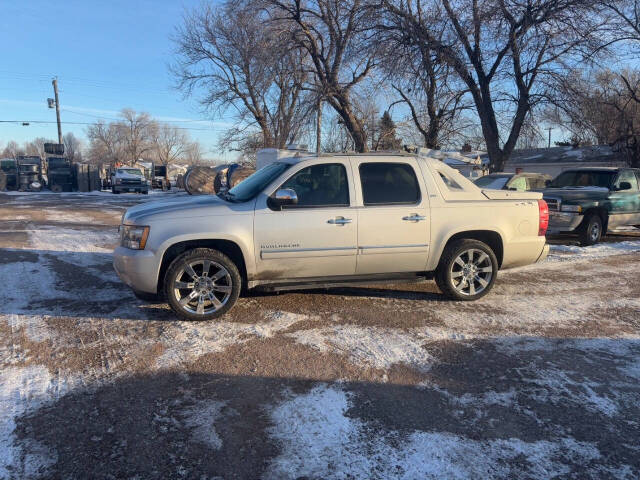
(130, 171)
(583, 178)
(254, 184)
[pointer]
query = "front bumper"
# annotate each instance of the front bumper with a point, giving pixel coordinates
(131, 188)
(563, 222)
(137, 268)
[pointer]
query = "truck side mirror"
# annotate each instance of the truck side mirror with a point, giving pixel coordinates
(282, 198)
(624, 186)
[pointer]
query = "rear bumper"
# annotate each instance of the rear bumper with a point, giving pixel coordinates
(563, 222)
(137, 268)
(544, 254)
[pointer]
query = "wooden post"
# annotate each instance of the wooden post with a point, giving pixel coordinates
(55, 91)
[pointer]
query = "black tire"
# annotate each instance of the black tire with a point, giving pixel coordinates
(148, 297)
(113, 190)
(203, 286)
(476, 266)
(591, 230)
(145, 192)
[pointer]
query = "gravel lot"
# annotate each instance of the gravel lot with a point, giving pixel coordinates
(539, 379)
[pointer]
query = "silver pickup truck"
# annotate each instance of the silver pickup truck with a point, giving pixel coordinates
(309, 221)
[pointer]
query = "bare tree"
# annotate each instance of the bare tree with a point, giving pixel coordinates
(12, 150)
(170, 144)
(193, 154)
(105, 143)
(136, 132)
(72, 147)
(36, 146)
(241, 64)
(500, 49)
(333, 33)
(602, 108)
(424, 83)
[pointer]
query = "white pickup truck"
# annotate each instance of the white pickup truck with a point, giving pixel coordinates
(309, 221)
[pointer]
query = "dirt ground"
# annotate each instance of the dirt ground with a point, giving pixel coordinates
(540, 379)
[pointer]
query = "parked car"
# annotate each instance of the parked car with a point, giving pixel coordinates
(590, 201)
(127, 179)
(304, 222)
(522, 182)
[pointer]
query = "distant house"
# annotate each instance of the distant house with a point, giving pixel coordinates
(554, 160)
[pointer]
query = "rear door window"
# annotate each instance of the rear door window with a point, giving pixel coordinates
(389, 184)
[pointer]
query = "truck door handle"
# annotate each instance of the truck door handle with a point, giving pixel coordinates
(414, 218)
(339, 221)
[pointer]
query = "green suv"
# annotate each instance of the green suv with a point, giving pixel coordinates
(590, 201)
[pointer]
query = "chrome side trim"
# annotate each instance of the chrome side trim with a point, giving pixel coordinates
(378, 249)
(308, 252)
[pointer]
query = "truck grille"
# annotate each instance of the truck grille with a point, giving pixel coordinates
(130, 182)
(553, 203)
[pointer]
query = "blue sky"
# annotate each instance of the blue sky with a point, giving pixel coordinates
(106, 54)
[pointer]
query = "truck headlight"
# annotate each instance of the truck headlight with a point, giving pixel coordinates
(571, 208)
(134, 236)
(118, 181)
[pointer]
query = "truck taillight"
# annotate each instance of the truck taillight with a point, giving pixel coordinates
(543, 222)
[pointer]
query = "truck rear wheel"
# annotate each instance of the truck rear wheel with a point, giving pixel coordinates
(467, 270)
(591, 230)
(202, 284)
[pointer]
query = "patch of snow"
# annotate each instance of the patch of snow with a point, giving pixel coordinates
(186, 341)
(66, 216)
(319, 440)
(369, 346)
(594, 251)
(23, 390)
(201, 418)
(557, 386)
(35, 326)
(73, 240)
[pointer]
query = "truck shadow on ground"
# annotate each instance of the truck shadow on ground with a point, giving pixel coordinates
(532, 408)
(81, 284)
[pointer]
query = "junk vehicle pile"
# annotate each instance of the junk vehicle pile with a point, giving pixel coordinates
(201, 180)
(29, 173)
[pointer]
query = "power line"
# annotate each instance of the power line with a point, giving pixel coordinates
(93, 123)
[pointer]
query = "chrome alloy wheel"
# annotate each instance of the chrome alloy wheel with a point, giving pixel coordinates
(203, 287)
(471, 272)
(594, 232)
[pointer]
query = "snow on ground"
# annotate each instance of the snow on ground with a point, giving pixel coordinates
(559, 252)
(23, 390)
(186, 341)
(374, 347)
(317, 435)
(67, 216)
(201, 418)
(72, 240)
(320, 440)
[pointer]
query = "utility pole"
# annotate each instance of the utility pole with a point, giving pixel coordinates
(549, 145)
(55, 92)
(319, 127)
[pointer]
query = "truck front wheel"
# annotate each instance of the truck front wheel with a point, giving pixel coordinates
(467, 270)
(202, 284)
(591, 230)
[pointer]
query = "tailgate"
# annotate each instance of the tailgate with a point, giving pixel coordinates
(511, 195)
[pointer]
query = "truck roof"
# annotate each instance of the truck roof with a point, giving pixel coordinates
(301, 156)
